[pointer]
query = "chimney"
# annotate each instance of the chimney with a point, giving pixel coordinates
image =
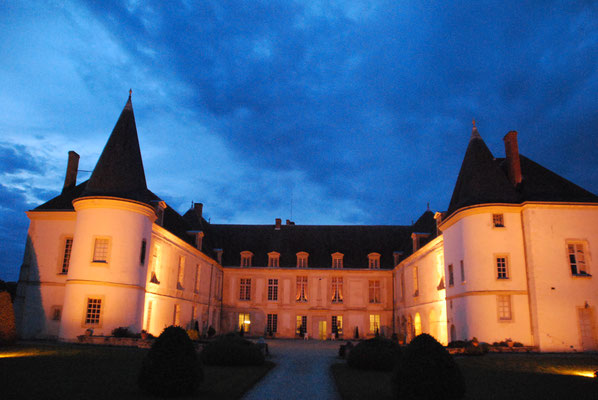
(70, 180)
(278, 224)
(198, 207)
(218, 255)
(512, 154)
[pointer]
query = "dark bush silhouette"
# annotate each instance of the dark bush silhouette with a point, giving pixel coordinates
(8, 333)
(375, 354)
(171, 368)
(122, 331)
(231, 349)
(344, 349)
(426, 371)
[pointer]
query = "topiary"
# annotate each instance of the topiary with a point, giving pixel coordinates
(171, 367)
(8, 332)
(122, 331)
(378, 354)
(231, 349)
(427, 371)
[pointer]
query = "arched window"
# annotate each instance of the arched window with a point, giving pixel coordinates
(417, 325)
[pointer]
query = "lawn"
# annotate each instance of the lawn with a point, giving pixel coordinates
(493, 376)
(62, 371)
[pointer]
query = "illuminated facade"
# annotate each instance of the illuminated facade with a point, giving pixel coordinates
(510, 258)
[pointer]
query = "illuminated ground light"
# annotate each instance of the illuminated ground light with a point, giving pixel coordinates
(26, 353)
(579, 372)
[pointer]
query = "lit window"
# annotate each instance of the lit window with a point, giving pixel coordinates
(374, 261)
(176, 317)
(502, 271)
(374, 291)
(272, 323)
(66, 260)
(301, 295)
(462, 272)
(156, 264)
(337, 290)
(56, 313)
(451, 275)
(273, 259)
(415, 282)
(100, 250)
(337, 260)
(374, 323)
(197, 276)
(181, 274)
(417, 324)
(245, 289)
(498, 220)
(337, 324)
(503, 304)
(301, 326)
(273, 289)
(142, 252)
(577, 259)
(94, 311)
(244, 322)
(302, 259)
(246, 257)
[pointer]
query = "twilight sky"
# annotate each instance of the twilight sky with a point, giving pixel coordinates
(354, 112)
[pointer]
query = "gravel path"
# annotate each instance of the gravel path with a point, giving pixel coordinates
(302, 371)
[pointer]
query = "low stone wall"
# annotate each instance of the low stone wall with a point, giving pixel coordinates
(497, 349)
(116, 341)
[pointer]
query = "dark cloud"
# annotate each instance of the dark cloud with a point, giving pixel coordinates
(17, 158)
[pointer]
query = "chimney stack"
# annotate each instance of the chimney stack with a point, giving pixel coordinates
(70, 180)
(198, 207)
(512, 158)
(278, 224)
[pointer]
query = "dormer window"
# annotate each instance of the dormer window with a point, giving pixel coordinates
(246, 257)
(418, 240)
(397, 257)
(274, 259)
(302, 259)
(374, 261)
(498, 220)
(159, 207)
(337, 260)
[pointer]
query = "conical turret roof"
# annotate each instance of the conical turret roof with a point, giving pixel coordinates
(119, 171)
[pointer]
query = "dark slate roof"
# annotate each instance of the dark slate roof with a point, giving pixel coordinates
(119, 171)
(484, 179)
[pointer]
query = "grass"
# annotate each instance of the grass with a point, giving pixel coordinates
(62, 371)
(493, 376)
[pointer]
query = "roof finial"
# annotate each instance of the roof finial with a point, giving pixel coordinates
(473, 122)
(474, 131)
(131, 92)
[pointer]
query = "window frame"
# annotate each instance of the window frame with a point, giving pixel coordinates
(374, 291)
(244, 289)
(246, 259)
(374, 323)
(415, 273)
(272, 323)
(502, 305)
(498, 220)
(337, 260)
(374, 261)
(584, 251)
(100, 314)
(67, 251)
(106, 258)
(302, 259)
(502, 270)
(302, 294)
(336, 283)
(274, 259)
(451, 275)
(181, 273)
(272, 294)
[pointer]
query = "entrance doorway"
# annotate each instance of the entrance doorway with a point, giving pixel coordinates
(322, 330)
(586, 329)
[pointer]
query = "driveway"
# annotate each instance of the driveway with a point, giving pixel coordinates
(302, 371)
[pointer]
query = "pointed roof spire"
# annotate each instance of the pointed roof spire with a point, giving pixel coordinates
(474, 131)
(119, 171)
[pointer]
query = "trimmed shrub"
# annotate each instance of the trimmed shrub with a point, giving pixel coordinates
(378, 354)
(231, 349)
(426, 371)
(344, 348)
(171, 367)
(8, 332)
(193, 334)
(122, 331)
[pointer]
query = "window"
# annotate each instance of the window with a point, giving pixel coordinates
(56, 313)
(301, 326)
(245, 289)
(374, 291)
(577, 259)
(142, 252)
(337, 324)
(417, 324)
(374, 323)
(181, 274)
(176, 317)
(94, 311)
(498, 220)
(396, 255)
(197, 276)
(156, 264)
(502, 268)
(462, 272)
(503, 304)
(302, 259)
(415, 282)
(451, 275)
(301, 295)
(244, 322)
(337, 289)
(66, 260)
(100, 250)
(246, 257)
(337, 260)
(374, 261)
(273, 259)
(272, 323)
(273, 290)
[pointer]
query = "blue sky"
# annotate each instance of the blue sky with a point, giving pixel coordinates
(353, 112)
